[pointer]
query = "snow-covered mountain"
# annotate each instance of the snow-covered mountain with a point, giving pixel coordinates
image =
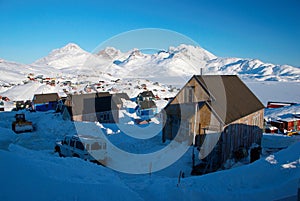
(184, 60)
(70, 55)
(253, 69)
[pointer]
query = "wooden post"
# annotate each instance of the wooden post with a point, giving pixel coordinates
(181, 175)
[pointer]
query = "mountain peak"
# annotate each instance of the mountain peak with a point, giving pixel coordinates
(69, 55)
(190, 50)
(71, 46)
(109, 52)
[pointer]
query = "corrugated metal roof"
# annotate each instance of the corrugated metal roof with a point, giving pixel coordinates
(147, 94)
(45, 98)
(231, 98)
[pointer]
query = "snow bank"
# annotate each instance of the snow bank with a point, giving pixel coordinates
(278, 141)
(262, 180)
(29, 169)
(38, 175)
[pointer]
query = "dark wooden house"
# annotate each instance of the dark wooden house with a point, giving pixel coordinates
(45, 102)
(217, 114)
(145, 104)
(92, 107)
(118, 99)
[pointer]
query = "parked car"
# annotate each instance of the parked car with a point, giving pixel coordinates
(89, 148)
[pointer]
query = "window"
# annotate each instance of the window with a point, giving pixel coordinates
(65, 142)
(79, 145)
(104, 146)
(256, 120)
(72, 142)
(189, 94)
(95, 146)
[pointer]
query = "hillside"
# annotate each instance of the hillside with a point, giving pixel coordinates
(41, 174)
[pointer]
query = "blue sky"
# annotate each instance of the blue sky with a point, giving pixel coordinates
(266, 30)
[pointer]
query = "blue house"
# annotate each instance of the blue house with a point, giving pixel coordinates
(146, 106)
(45, 102)
(146, 109)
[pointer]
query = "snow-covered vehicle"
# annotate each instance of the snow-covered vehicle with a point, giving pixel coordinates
(21, 124)
(89, 148)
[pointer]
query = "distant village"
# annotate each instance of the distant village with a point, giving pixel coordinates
(77, 92)
(193, 114)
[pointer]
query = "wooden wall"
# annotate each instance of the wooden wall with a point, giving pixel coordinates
(111, 117)
(199, 93)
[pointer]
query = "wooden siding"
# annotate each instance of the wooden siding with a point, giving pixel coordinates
(199, 94)
(102, 117)
(205, 120)
(238, 128)
(241, 134)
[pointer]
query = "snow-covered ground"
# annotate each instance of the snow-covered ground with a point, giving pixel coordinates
(40, 175)
(30, 170)
(275, 91)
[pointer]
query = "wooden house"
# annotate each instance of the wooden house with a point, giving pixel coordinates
(45, 102)
(291, 124)
(286, 125)
(91, 107)
(276, 104)
(219, 115)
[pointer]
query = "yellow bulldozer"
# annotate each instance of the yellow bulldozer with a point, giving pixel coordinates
(21, 125)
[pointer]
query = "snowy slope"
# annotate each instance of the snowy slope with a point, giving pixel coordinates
(12, 72)
(27, 91)
(32, 171)
(33, 175)
(16, 73)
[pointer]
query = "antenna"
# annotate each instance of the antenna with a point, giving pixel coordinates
(201, 69)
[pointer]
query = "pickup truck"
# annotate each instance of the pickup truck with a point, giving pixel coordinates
(89, 148)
